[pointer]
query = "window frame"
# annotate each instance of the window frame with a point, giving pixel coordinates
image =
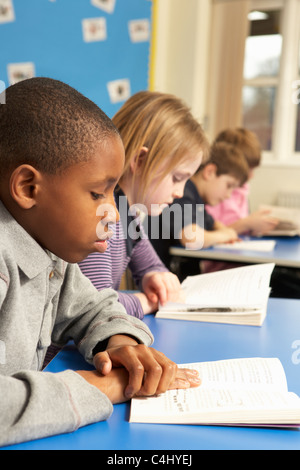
(285, 116)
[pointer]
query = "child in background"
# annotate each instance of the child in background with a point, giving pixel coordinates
(164, 146)
(60, 159)
(234, 211)
(214, 182)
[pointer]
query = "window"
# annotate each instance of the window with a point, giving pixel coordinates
(271, 90)
(261, 72)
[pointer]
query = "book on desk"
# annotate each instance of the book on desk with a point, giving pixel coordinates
(238, 296)
(241, 392)
(289, 220)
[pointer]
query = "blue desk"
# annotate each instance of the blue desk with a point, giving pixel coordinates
(192, 342)
(286, 253)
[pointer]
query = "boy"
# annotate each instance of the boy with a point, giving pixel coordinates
(234, 211)
(60, 159)
(214, 182)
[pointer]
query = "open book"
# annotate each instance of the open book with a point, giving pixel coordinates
(238, 296)
(289, 220)
(240, 392)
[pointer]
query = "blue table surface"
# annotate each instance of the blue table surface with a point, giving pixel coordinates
(286, 252)
(183, 342)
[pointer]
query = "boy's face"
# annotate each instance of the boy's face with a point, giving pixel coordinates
(220, 188)
(73, 210)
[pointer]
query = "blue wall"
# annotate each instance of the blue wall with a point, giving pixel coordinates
(47, 36)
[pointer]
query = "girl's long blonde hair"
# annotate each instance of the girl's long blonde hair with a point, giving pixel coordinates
(164, 124)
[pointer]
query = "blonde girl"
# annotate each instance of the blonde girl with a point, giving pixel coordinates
(164, 146)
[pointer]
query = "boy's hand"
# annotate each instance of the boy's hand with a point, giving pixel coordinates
(149, 372)
(114, 384)
(161, 287)
(261, 222)
(230, 235)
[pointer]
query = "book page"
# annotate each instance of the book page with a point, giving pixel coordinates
(244, 373)
(201, 406)
(247, 285)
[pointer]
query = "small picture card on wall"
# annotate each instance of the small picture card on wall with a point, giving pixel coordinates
(20, 71)
(94, 29)
(105, 5)
(139, 30)
(119, 90)
(7, 13)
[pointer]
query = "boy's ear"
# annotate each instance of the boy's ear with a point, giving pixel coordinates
(138, 160)
(23, 185)
(209, 171)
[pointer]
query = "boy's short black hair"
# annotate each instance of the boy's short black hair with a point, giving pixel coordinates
(49, 125)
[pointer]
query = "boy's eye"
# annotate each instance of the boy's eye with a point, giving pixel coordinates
(97, 196)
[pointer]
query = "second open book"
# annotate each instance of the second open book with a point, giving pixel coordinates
(238, 296)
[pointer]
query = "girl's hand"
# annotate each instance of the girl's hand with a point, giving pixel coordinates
(161, 287)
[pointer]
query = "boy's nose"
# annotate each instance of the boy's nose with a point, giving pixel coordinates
(108, 213)
(114, 213)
